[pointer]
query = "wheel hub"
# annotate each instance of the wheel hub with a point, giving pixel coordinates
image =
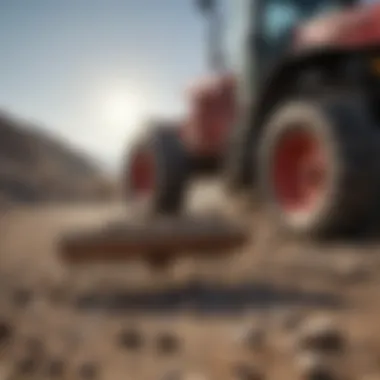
(299, 171)
(142, 174)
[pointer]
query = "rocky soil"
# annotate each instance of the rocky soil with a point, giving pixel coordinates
(278, 309)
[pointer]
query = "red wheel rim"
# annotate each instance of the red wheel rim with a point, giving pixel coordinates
(142, 173)
(299, 171)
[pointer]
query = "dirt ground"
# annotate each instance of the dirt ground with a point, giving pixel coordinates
(243, 317)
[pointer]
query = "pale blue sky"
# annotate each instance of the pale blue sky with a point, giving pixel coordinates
(70, 64)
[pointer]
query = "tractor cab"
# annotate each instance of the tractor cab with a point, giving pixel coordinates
(255, 34)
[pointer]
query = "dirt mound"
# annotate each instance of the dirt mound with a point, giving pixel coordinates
(37, 168)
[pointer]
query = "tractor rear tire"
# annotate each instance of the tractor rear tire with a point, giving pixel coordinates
(167, 164)
(317, 166)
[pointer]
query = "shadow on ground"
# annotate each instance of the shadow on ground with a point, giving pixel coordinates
(208, 299)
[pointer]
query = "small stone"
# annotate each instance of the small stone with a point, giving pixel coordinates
(167, 343)
(6, 337)
(319, 374)
(180, 375)
(321, 335)
(22, 297)
(58, 294)
(26, 365)
(130, 339)
(246, 372)
(35, 346)
(173, 375)
(315, 367)
(252, 338)
(290, 320)
(353, 272)
(88, 371)
(6, 332)
(56, 368)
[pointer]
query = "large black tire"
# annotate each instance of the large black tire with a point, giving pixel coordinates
(343, 129)
(171, 169)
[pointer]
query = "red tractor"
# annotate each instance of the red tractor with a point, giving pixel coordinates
(291, 113)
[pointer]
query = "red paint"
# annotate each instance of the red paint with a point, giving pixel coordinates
(213, 108)
(364, 29)
(352, 28)
(299, 171)
(211, 115)
(142, 173)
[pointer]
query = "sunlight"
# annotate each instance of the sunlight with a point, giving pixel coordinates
(117, 110)
(121, 109)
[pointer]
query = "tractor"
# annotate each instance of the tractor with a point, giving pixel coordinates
(289, 114)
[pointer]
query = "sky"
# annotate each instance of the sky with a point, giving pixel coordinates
(91, 70)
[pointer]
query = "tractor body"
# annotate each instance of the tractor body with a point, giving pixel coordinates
(290, 111)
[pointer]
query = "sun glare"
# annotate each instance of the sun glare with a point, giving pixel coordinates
(121, 109)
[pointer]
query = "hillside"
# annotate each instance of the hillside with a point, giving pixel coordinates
(37, 168)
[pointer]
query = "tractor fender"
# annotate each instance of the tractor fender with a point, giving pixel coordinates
(286, 77)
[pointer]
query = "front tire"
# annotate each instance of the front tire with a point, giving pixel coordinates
(317, 166)
(157, 170)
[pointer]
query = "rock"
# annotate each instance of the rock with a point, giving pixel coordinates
(56, 368)
(22, 297)
(321, 335)
(319, 374)
(88, 371)
(58, 294)
(35, 346)
(353, 272)
(290, 320)
(180, 375)
(6, 332)
(315, 367)
(173, 375)
(130, 339)
(252, 338)
(26, 365)
(244, 371)
(167, 343)
(6, 338)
